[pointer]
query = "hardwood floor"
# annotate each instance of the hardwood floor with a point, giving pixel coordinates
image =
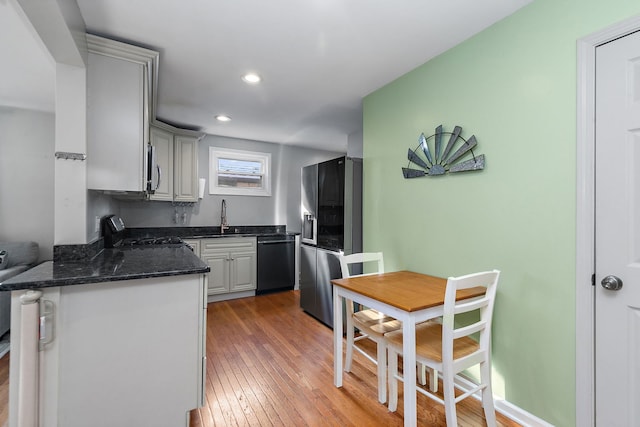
(4, 389)
(270, 364)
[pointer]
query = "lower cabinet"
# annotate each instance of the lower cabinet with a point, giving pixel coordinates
(125, 353)
(233, 264)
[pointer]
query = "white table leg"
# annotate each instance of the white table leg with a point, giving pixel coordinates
(409, 369)
(337, 338)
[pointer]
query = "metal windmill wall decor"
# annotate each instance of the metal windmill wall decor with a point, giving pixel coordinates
(435, 161)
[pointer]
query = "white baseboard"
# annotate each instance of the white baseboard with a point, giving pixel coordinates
(233, 295)
(506, 408)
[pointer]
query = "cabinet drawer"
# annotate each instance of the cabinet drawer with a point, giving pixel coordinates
(228, 244)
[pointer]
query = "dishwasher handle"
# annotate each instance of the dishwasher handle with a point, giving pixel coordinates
(273, 242)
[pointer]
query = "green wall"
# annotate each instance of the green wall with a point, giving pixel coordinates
(514, 87)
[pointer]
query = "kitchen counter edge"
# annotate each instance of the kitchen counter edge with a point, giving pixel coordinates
(111, 265)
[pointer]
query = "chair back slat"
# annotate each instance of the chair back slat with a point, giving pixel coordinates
(464, 307)
(465, 331)
(361, 258)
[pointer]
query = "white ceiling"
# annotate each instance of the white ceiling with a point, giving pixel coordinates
(27, 71)
(318, 58)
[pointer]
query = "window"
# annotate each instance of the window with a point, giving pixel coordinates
(239, 172)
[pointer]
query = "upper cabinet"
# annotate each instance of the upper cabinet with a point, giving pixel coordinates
(185, 172)
(121, 87)
(176, 152)
(128, 151)
(162, 141)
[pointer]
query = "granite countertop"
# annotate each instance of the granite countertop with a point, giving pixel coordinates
(92, 263)
(111, 265)
(210, 232)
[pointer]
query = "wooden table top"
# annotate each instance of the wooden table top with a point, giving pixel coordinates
(406, 290)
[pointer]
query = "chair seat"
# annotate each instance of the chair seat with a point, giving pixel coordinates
(370, 320)
(429, 342)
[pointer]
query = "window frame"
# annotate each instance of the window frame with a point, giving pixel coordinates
(216, 153)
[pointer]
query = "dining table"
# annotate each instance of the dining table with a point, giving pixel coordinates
(408, 296)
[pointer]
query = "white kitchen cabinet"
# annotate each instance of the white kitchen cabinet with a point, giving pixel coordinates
(121, 86)
(233, 266)
(185, 171)
(162, 141)
(177, 163)
(123, 353)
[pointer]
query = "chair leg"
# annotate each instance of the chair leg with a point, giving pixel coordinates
(449, 397)
(422, 374)
(382, 372)
(433, 380)
(487, 394)
(433, 377)
(350, 339)
(393, 382)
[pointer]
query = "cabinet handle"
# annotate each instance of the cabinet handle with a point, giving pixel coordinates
(46, 323)
(159, 176)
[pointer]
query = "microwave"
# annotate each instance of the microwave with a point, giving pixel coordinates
(309, 229)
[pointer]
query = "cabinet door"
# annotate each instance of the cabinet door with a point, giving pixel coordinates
(243, 271)
(218, 277)
(163, 143)
(186, 169)
(116, 120)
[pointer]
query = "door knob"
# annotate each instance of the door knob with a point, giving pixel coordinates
(612, 283)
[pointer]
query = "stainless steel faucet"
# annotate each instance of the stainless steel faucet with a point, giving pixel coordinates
(223, 217)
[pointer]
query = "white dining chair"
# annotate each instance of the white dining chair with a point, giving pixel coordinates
(371, 323)
(449, 349)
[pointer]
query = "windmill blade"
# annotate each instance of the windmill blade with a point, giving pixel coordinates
(469, 165)
(412, 173)
(438, 144)
(425, 147)
(471, 142)
(452, 142)
(417, 160)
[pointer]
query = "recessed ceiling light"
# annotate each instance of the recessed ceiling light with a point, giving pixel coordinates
(252, 78)
(223, 118)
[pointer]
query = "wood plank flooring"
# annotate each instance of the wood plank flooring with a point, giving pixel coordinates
(4, 389)
(270, 364)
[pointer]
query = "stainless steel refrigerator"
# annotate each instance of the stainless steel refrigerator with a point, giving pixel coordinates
(331, 224)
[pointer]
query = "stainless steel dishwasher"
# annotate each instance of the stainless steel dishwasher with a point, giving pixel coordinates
(276, 263)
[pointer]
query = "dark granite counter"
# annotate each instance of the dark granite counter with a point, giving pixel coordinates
(111, 265)
(204, 232)
(92, 263)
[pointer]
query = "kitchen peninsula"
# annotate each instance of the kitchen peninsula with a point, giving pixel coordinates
(122, 338)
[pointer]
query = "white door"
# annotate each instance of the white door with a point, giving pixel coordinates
(617, 231)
